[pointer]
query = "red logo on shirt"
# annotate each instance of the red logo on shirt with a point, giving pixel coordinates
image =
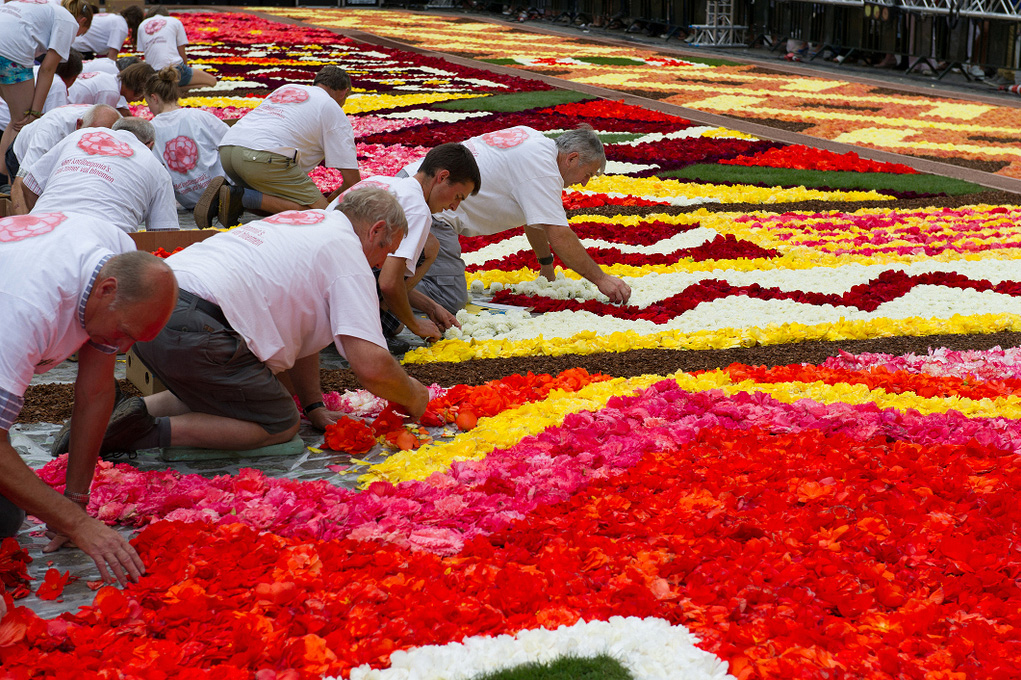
(104, 144)
(300, 217)
(19, 227)
(505, 139)
(154, 25)
(86, 76)
(288, 95)
(181, 154)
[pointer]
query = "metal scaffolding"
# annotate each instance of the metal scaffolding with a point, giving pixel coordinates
(719, 29)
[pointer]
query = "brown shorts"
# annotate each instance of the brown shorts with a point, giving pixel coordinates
(269, 173)
(209, 367)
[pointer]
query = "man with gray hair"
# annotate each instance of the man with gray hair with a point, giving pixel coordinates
(524, 174)
(71, 283)
(109, 173)
(44, 133)
(257, 304)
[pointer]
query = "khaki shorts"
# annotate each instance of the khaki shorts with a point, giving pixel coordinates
(269, 173)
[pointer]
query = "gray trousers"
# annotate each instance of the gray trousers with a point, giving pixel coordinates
(445, 281)
(11, 518)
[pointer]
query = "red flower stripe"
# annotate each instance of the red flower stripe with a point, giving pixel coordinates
(867, 297)
(799, 157)
(575, 201)
(615, 110)
(669, 154)
(894, 382)
(642, 234)
(722, 247)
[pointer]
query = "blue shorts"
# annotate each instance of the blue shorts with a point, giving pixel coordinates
(12, 74)
(185, 72)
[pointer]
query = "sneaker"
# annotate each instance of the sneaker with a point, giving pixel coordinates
(62, 442)
(230, 205)
(397, 345)
(209, 203)
(129, 422)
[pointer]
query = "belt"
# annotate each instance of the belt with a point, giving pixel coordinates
(204, 306)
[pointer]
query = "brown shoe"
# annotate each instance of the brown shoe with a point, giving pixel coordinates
(231, 209)
(209, 203)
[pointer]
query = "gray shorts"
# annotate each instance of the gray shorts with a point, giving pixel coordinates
(209, 367)
(445, 281)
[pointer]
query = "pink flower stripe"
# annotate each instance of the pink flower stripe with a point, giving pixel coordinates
(478, 497)
(867, 297)
(989, 365)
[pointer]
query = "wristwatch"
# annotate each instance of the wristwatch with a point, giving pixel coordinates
(545, 261)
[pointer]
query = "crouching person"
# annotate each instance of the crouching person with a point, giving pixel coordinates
(256, 306)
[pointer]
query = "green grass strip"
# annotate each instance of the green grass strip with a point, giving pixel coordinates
(607, 137)
(502, 61)
(611, 61)
(565, 668)
(519, 101)
(929, 184)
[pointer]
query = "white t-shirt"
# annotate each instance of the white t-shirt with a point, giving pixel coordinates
(412, 199)
(186, 142)
(28, 28)
(55, 97)
(101, 65)
(289, 284)
(105, 172)
(159, 37)
(108, 31)
(43, 134)
(42, 304)
(521, 183)
(96, 87)
(302, 119)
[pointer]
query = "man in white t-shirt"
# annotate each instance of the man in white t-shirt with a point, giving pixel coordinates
(258, 302)
(524, 174)
(101, 65)
(112, 173)
(448, 175)
(71, 283)
(43, 134)
(162, 39)
(269, 153)
(106, 35)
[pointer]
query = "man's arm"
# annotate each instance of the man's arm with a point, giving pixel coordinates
(395, 294)
(19, 484)
(351, 177)
(565, 243)
(541, 247)
(429, 253)
(22, 198)
(304, 378)
(379, 373)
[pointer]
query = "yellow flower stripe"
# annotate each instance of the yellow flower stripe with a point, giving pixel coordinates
(356, 103)
(653, 187)
(590, 342)
(503, 430)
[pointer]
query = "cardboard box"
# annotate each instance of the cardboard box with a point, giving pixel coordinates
(170, 240)
(139, 376)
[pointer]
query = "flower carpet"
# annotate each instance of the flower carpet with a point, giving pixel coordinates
(948, 129)
(852, 517)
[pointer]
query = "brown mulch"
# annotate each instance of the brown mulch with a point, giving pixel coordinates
(991, 167)
(51, 403)
(995, 140)
(788, 125)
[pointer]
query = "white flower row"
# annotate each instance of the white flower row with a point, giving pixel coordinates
(514, 244)
(736, 311)
(650, 649)
(622, 168)
(654, 287)
(686, 133)
(436, 116)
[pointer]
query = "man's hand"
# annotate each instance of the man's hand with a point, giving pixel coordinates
(115, 558)
(427, 330)
(321, 418)
(549, 271)
(442, 318)
(615, 289)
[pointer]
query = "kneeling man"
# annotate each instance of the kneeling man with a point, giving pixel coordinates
(257, 304)
(71, 283)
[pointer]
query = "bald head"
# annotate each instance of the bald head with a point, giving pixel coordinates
(131, 300)
(100, 115)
